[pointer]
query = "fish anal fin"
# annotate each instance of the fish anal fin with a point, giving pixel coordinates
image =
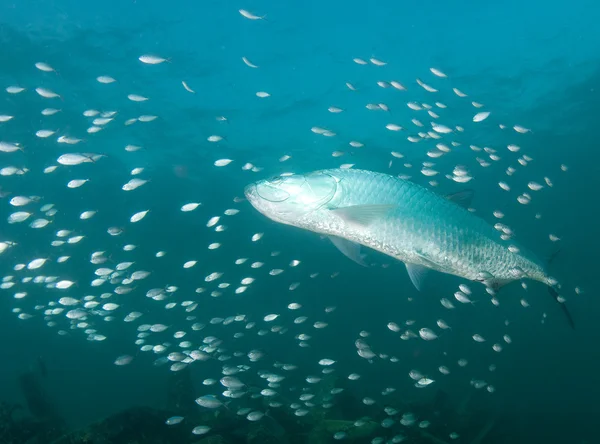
(349, 249)
(363, 215)
(462, 198)
(417, 274)
(496, 284)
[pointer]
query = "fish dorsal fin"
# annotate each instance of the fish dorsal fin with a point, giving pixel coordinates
(363, 215)
(462, 198)
(349, 249)
(417, 274)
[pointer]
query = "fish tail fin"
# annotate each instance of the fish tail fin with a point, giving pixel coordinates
(554, 293)
(553, 290)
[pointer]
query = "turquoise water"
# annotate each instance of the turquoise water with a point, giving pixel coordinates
(532, 65)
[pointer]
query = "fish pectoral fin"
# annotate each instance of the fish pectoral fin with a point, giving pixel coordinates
(417, 274)
(349, 249)
(363, 215)
(462, 198)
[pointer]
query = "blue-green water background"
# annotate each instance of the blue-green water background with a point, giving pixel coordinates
(535, 64)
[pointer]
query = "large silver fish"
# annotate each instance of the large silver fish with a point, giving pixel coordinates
(400, 219)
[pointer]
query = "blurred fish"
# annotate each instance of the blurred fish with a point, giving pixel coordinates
(42, 366)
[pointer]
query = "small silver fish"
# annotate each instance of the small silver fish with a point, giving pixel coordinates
(209, 402)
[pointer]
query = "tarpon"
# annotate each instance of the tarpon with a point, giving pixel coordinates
(401, 219)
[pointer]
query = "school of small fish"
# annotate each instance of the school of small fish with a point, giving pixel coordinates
(80, 268)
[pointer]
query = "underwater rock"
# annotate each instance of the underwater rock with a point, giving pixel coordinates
(181, 393)
(26, 430)
(432, 439)
(354, 432)
(135, 425)
(214, 439)
(324, 431)
(263, 434)
(288, 427)
(347, 405)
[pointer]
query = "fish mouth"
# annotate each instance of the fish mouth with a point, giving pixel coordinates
(251, 193)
